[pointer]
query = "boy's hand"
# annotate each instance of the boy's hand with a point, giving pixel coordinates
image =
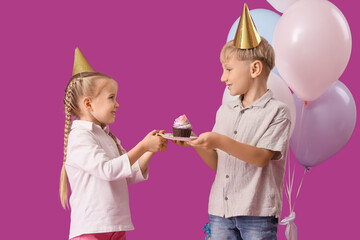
(182, 143)
(155, 143)
(206, 140)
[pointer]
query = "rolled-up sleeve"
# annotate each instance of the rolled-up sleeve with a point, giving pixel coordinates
(137, 175)
(276, 138)
(86, 154)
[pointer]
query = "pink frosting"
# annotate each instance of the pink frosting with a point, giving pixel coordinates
(182, 122)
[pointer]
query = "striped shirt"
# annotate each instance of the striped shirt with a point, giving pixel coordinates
(242, 189)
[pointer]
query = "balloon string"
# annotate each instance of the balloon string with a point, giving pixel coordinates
(307, 169)
(300, 128)
(290, 184)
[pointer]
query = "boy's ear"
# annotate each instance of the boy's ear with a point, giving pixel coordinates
(86, 102)
(256, 68)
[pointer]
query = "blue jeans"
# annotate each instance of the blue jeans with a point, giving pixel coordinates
(243, 228)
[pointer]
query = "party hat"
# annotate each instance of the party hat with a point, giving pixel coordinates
(246, 35)
(80, 63)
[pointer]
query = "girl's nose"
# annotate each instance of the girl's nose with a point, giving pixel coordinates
(116, 104)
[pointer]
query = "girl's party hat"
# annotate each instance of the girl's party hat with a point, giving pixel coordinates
(80, 63)
(246, 35)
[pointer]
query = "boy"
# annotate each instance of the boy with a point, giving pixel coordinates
(248, 145)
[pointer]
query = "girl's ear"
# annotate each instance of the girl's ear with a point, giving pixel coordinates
(256, 68)
(86, 102)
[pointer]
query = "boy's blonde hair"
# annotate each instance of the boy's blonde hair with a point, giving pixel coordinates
(80, 85)
(264, 52)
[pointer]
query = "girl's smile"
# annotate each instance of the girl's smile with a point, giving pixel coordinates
(102, 108)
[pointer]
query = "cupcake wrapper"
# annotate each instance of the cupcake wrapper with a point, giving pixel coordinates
(181, 132)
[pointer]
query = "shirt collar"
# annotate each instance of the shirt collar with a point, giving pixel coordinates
(88, 125)
(261, 102)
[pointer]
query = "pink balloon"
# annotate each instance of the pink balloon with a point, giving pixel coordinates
(281, 5)
(282, 92)
(312, 43)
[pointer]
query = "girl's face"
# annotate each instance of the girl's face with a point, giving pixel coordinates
(236, 76)
(104, 105)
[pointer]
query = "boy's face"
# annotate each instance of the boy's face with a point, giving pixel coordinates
(236, 75)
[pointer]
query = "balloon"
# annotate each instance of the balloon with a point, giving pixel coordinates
(327, 125)
(265, 22)
(280, 91)
(312, 43)
(281, 5)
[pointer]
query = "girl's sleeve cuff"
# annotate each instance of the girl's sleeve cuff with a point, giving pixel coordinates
(137, 175)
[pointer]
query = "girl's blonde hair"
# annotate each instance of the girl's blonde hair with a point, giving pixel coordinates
(264, 53)
(80, 85)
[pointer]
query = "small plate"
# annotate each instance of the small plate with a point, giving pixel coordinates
(171, 137)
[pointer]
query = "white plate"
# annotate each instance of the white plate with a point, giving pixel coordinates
(171, 137)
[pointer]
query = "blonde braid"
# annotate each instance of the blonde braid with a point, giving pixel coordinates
(70, 109)
(81, 84)
(117, 144)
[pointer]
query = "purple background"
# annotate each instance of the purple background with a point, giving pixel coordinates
(165, 57)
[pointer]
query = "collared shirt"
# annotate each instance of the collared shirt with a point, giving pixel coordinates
(242, 189)
(98, 177)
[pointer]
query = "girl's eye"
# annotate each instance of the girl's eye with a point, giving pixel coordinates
(228, 69)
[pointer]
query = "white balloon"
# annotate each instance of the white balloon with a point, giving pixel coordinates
(281, 5)
(281, 92)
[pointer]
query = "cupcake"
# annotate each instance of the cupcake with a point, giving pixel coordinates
(182, 127)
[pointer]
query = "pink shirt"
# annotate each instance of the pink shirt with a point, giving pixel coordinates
(98, 177)
(239, 188)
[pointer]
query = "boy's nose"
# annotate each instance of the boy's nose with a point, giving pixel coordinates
(223, 78)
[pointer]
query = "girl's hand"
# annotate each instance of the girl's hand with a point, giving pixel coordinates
(154, 142)
(206, 140)
(182, 143)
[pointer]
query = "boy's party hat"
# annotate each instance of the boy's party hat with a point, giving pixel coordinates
(80, 63)
(246, 35)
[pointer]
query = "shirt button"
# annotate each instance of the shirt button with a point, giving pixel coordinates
(235, 132)
(226, 198)
(227, 176)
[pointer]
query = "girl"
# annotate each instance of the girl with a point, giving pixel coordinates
(96, 165)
